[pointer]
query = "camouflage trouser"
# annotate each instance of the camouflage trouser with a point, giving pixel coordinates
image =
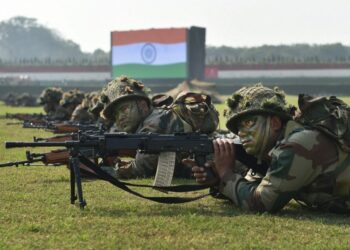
(127, 170)
(340, 205)
(145, 165)
(110, 170)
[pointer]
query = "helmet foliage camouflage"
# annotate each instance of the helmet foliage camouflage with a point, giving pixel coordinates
(26, 99)
(198, 110)
(74, 96)
(120, 89)
(254, 100)
(50, 95)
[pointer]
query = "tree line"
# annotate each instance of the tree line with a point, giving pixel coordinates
(279, 54)
(24, 41)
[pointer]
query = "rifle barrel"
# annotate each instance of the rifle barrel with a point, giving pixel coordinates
(16, 163)
(50, 144)
(34, 144)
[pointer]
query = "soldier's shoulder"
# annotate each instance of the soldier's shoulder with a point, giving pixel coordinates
(158, 121)
(60, 109)
(158, 114)
(60, 113)
(298, 135)
(80, 109)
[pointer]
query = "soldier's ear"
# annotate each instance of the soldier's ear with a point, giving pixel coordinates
(143, 106)
(276, 123)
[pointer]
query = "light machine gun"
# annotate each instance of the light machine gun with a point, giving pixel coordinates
(112, 144)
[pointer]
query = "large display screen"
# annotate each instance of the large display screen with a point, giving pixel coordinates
(153, 53)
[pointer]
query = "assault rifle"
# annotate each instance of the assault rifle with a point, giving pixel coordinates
(54, 158)
(64, 127)
(112, 144)
(26, 119)
(24, 116)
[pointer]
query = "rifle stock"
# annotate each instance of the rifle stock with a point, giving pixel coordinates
(55, 157)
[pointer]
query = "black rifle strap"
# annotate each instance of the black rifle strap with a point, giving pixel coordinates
(169, 200)
(175, 189)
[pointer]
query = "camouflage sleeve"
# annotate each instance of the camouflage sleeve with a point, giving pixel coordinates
(60, 114)
(289, 171)
(162, 122)
(144, 165)
(76, 114)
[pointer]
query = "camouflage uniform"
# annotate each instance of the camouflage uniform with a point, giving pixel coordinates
(93, 100)
(120, 89)
(305, 165)
(60, 114)
(82, 112)
(169, 120)
(70, 100)
(163, 120)
(50, 99)
(26, 99)
(10, 99)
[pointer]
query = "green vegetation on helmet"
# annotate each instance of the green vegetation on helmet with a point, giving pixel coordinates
(197, 110)
(50, 95)
(120, 89)
(74, 96)
(26, 99)
(257, 100)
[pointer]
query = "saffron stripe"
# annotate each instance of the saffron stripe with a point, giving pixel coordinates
(167, 36)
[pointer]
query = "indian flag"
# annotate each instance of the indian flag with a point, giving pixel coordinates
(154, 53)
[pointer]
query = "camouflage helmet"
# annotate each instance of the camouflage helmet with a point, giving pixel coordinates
(26, 99)
(198, 110)
(93, 96)
(120, 89)
(50, 95)
(74, 96)
(254, 100)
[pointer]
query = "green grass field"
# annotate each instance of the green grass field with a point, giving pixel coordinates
(35, 213)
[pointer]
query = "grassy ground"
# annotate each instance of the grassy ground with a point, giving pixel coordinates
(35, 213)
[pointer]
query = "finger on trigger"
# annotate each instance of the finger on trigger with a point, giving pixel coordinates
(189, 162)
(216, 147)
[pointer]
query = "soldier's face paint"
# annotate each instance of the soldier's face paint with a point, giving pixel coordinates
(128, 116)
(252, 130)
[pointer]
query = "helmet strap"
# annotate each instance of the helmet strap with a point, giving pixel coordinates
(265, 139)
(140, 109)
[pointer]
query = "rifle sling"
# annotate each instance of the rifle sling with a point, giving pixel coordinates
(124, 186)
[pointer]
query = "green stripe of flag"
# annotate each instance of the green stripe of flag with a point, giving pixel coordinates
(177, 70)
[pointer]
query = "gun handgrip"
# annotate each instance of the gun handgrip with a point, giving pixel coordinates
(211, 176)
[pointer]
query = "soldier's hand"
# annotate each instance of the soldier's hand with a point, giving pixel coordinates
(224, 156)
(203, 175)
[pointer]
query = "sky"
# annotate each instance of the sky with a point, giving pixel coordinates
(238, 23)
